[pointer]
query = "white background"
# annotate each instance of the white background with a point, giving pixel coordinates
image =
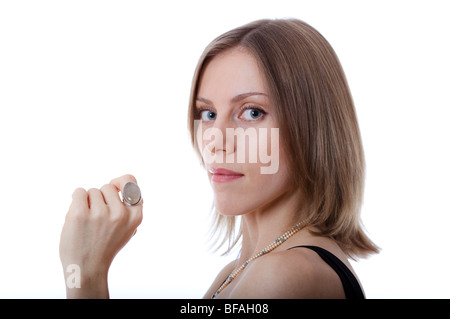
(91, 90)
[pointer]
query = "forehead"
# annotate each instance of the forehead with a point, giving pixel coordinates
(231, 73)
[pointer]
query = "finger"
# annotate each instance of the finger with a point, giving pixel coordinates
(110, 194)
(96, 200)
(120, 182)
(79, 201)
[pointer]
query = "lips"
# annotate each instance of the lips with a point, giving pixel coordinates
(222, 175)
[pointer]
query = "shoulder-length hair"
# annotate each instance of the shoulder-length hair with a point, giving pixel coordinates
(317, 121)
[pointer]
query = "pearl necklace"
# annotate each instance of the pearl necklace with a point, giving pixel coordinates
(277, 242)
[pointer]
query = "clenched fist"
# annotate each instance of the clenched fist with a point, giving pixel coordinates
(97, 226)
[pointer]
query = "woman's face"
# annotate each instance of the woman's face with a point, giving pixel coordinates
(237, 134)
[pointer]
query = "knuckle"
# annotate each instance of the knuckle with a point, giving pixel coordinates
(137, 218)
(93, 190)
(107, 187)
(79, 196)
(75, 214)
(102, 210)
(79, 191)
(119, 215)
(98, 213)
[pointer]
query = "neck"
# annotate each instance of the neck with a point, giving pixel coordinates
(262, 226)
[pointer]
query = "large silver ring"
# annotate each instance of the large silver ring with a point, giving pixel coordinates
(131, 194)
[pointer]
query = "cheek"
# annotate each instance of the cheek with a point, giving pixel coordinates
(258, 145)
(209, 139)
(269, 150)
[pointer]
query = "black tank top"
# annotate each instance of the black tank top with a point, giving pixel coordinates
(351, 286)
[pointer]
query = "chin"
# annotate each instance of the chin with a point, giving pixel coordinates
(227, 211)
(228, 207)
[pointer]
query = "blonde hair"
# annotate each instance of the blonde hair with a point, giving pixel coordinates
(318, 125)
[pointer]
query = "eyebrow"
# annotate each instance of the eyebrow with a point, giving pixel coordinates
(243, 96)
(202, 99)
(235, 99)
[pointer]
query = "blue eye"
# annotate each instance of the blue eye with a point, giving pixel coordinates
(208, 115)
(252, 114)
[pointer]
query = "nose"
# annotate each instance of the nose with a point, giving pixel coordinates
(222, 144)
(216, 147)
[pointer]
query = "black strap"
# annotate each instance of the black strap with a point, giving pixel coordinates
(351, 286)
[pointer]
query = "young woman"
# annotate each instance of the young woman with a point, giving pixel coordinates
(298, 191)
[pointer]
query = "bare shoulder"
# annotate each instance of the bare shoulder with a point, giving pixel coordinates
(223, 274)
(295, 273)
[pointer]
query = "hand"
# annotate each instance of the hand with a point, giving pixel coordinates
(97, 226)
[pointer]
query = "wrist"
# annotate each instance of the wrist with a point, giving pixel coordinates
(86, 286)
